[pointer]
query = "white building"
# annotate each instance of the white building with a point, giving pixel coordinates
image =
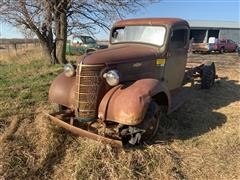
(202, 30)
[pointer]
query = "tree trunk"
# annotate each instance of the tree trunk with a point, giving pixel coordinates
(49, 52)
(45, 35)
(61, 37)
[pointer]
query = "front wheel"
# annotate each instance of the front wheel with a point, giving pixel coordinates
(151, 121)
(147, 129)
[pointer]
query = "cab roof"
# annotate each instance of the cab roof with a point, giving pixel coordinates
(151, 21)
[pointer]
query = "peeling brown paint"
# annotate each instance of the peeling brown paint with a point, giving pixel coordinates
(62, 91)
(127, 105)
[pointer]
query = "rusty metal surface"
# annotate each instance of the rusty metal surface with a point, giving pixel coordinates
(140, 69)
(122, 53)
(151, 21)
(82, 132)
(62, 91)
(128, 105)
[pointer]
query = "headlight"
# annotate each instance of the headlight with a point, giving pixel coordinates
(112, 77)
(69, 70)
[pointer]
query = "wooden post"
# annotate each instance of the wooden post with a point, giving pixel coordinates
(15, 47)
(8, 48)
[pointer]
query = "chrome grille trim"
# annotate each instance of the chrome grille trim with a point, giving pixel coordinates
(87, 88)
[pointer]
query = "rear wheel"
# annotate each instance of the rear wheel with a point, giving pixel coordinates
(208, 76)
(236, 49)
(221, 51)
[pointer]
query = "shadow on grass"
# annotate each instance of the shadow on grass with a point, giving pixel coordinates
(199, 114)
(54, 156)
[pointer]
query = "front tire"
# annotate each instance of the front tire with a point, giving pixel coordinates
(147, 129)
(151, 121)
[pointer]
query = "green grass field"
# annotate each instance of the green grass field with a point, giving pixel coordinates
(201, 140)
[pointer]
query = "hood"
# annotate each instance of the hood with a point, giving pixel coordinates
(120, 53)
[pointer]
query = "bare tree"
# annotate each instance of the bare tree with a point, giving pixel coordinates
(47, 18)
(34, 15)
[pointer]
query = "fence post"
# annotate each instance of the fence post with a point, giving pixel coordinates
(15, 47)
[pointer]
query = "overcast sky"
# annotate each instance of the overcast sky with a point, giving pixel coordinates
(223, 10)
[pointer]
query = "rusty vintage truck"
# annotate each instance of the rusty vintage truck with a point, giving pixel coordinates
(118, 95)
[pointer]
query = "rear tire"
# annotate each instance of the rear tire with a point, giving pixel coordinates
(236, 49)
(221, 51)
(208, 76)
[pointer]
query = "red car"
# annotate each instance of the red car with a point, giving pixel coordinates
(227, 45)
(215, 45)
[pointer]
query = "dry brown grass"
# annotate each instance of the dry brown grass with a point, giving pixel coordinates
(21, 56)
(201, 140)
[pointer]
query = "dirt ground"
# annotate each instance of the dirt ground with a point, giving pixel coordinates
(201, 140)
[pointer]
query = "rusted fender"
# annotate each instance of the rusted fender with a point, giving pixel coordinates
(62, 91)
(128, 105)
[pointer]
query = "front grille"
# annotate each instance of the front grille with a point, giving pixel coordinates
(87, 89)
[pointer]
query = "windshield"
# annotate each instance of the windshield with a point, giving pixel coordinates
(144, 34)
(88, 40)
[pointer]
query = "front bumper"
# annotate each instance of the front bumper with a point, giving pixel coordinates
(65, 121)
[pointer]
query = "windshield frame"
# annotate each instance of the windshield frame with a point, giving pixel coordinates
(139, 42)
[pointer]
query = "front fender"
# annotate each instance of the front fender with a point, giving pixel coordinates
(62, 91)
(128, 105)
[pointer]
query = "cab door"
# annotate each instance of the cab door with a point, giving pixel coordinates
(176, 57)
(227, 45)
